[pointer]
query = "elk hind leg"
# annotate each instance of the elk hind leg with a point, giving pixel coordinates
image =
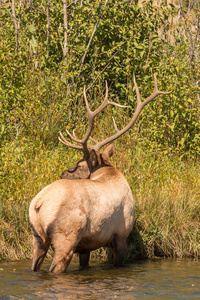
(120, 250)
(40, 249)
(61, 261)
(63, 247)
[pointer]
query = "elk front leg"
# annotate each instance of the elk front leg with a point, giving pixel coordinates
(119, 250)
(84, 259)
(40, 249)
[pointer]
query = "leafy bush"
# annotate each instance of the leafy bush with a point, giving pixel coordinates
(42, 74)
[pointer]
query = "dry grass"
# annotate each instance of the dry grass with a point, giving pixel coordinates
(166, 193)
(167, 198)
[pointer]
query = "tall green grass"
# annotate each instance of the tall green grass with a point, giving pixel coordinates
(27, 168)
(166, 193)
(167, 199)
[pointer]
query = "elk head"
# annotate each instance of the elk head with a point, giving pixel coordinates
(93, 159)
(86, 166)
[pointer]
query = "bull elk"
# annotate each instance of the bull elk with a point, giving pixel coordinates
(73, 215)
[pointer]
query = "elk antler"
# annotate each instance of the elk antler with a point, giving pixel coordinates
(91, 115)
(138, 110)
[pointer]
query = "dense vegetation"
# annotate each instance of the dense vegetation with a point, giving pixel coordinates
(49, 51)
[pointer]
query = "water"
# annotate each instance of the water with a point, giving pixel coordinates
(161, 279)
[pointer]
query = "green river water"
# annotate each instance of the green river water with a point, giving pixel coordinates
(151, 279)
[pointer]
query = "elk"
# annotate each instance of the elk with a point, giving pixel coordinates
(91, 206)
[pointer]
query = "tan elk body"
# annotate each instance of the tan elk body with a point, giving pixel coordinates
(83, 215)
(90, 207)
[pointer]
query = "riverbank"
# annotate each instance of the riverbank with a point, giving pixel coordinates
(166, 192)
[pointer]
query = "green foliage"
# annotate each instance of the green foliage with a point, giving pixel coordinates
(167, 206)
(25, 170)
(171, 124)
(39, 85)
(41, 88)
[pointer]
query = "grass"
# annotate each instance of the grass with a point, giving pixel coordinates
(26, 170)
(166, 193)
(168, 208)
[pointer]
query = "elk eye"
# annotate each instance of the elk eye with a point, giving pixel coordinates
(72, 169)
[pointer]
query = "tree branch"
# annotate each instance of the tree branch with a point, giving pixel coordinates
(91, 38)
(109, 61)
(65, 48)
(48, 27)
(188, 31)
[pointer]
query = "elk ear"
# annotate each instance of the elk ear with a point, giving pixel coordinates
(93, 158)
(109, 151)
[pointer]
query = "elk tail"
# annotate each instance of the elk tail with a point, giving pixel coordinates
(34, 217)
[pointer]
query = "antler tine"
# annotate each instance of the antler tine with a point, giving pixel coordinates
(106, 103)
(72, 136)
(103, 104)
(74, 133)
(138, 110)
(137, 91)
(89, 112)
(92, 114)
(155, 93)
(65, 142)
(93, 140)
(116, 129)
(155, 82)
